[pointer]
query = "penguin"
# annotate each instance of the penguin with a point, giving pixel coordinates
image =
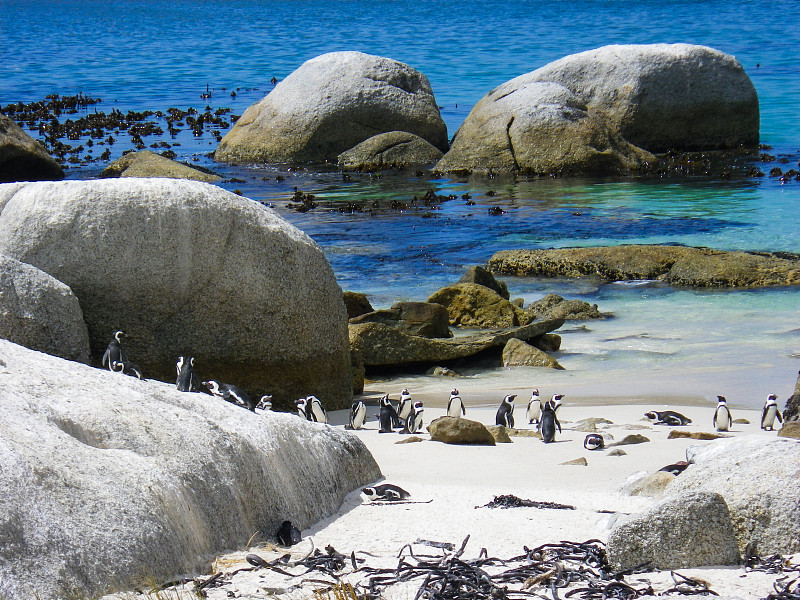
(555, 402)
(315, 411)
(114, 352)
(594, 441)
(667, 417)
(675, 468)
(302, 409)
(388, 415)
(770, 412)
(722, 416)
(405, 406)
(549, 422)
(455, 407)
(534, 408)
(414, 420)
(385, 491)
(505, 412)
(358, 414)
(187, 379)
(230, 393)
(265, 404)
(288, 534)
(128, 368)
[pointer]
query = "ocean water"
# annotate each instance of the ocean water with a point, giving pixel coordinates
(744, 344)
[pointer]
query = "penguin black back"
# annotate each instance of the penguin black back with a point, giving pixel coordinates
(114, 352)
(187, 380)
(548, 423)
(388, 416)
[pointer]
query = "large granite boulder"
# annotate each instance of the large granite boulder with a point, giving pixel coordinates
(676, 265)
(517, 353)
(186, 268)
(424, 319)
(356, 304)
(553, 305)
(791, 411)
(606, 110)
(392, 150)
(382, 345)
(475, 305)
(760, 481)
(39, 312)
(110, 482)
(330, 104)
(147, 163)
(692, 529)
(481, 276)
(22, 158)
(452, 430)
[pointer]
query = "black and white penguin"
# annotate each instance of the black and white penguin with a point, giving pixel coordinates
(288, 534)
(358, 414)
(315, 410)
(230, 393)
(127, 368)
(405, 406)
(534, 408)
(505, 412)
(302, 409)
(594, 441)
(187, 380)
(264, 404)
(114, 352)
(667, 417)
(414, 420)
(722, 416)
(770, 412)
(455, 407)
(385, 491)
(675, 468)
(549, 422)
(387, 417)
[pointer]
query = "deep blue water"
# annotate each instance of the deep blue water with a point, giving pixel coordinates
(153, 55)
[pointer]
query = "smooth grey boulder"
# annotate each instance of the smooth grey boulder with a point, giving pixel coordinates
(686, 530)
(424, 319)
(330, 104)
(481, 276)
(475, 305)
(392, 150)
(187, 268)
(607, 110)
(22, 158)
(147, 163)
(452, 430)
(760, 481)
(41, 313)
(517, 353)
(111, 483)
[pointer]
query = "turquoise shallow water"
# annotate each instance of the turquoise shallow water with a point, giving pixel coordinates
(152, 55)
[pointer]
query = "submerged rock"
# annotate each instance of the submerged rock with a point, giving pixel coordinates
(553, 305)
(146, 163)
(110, 482)
(22, 158)
(392, 150)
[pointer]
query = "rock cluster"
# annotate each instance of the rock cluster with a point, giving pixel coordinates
(393, 150)
(424, 319)
(146, 163)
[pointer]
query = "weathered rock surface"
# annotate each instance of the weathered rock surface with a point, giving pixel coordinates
(633, 438)
(380, 344)
(41, 313)
(451, 430)
(695, 435)
(330, 104)
(676, 265)
(517, 353)
(22, 158)
(500, 434)
(791, 411)
(579, 462)
(146, 163)
(186, 268)
(474, 305)
(590, 424)
(606, 110)
(652, 485)
(790, 429)
(424, 319)
(356, 304)
(760, 481)
(553, 305)
(481, 276)
(108, 480)
(691, 529)
(392, 150)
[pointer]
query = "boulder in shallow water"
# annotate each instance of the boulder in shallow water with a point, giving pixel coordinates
(392, 150)
(553, 305)
(475, 305)
(424, 319)
(357, 304)
(22, 158)
(147, 163)
(111, 483)
(187, 268)
(330, 104)
(517, 353)
(481, 276)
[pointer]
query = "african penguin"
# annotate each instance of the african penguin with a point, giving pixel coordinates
(667, 417)
(265, 404)
(675, 468)
(187, 380)
(128, 368)
(414, 420)
(230, 393)
(358, 414)
(594, 441)
(505, 412)
(534, 408)
(114, 352)
(722, 416)
(770, 412)
(315, 410)
(549, 421)
(288, 534)
(385, 491)
(388, 415)
(302, 409)
(455, 407)
(405, 405)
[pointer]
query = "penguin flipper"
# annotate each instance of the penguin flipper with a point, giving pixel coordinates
(780, 417)
(558, 424)
(106, 359)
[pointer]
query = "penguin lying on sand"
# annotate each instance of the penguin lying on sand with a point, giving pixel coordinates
(128, 368)
(675, 468)
(230, 393)
(594, 441)
(385, 491)
(667, 417)
(770, 412)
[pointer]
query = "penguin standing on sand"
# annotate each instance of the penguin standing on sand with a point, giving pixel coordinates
(414, 420)
(534, 408)
(127, 368)
(114, 352)
(388, 415)
(505, 413)
(549, 422)
(405, 406)
(358, 414)
(594, 441)
(230, 393)
(722, 416)
(770, 412)
(455, 407)
(187, 380)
